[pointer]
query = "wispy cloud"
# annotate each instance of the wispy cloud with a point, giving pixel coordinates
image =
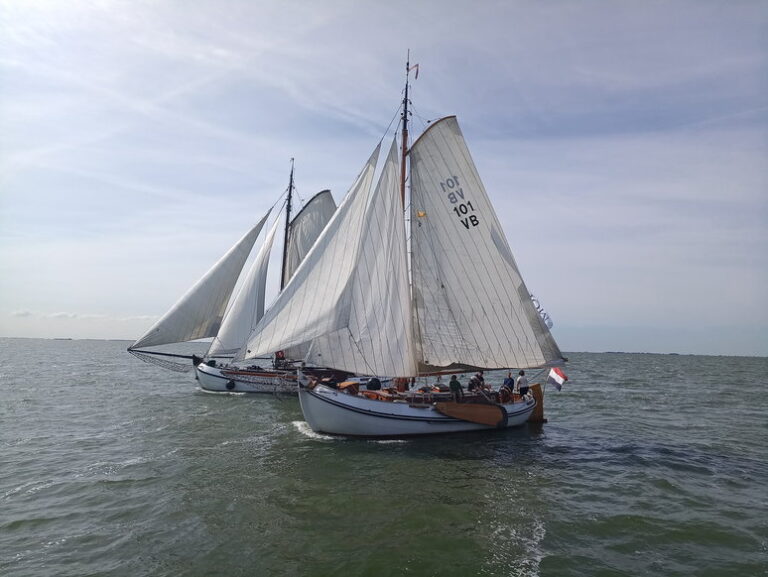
(81, 316)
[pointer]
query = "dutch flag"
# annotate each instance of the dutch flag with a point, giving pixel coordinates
(556, 378)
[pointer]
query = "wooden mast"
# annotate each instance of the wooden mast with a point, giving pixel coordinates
(400, 383)
(287, 228)
(404, 136)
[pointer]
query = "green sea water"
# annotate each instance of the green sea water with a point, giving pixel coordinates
(649, 465)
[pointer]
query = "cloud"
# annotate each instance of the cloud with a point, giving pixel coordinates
(62, 315)
(82, 316)
(22, 314)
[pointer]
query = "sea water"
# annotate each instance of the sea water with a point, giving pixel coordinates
(648, 465)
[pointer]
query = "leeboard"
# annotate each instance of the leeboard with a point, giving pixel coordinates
(490, 415)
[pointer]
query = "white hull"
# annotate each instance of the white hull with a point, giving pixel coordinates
(334, 412)
(230, 380)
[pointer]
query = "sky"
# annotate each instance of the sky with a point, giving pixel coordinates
(624, 146)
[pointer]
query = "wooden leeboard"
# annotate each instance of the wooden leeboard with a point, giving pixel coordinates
(537, 416)
(491, 415)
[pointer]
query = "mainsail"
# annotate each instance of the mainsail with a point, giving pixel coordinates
(305, 227)
(198, 314)
(471, 305)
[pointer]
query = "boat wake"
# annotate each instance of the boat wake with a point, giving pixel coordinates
(522, 551)
(303, 428)
(230, 393)
(388, 441)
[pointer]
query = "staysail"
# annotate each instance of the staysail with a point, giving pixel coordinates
(471, 306)
(349, 297)
(198, 314)
(283, 326)
(247, 307)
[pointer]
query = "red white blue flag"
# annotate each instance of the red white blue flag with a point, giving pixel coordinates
(556, 378)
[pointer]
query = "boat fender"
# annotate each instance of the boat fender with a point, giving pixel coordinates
(230, 385)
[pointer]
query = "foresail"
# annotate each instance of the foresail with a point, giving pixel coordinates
(472, 308)
(295, 318)
(376, 336)
(247, 307)
(305, 228)
(199, 312)
(350, 300)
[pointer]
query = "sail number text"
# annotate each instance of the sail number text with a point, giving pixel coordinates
(462, 207)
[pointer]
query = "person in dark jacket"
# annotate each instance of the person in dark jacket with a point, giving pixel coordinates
(456, 389)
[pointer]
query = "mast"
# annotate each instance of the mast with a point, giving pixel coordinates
(404, 136)
(408, 221)
(287, 228)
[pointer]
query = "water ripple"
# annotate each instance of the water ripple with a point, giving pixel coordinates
(112, 467)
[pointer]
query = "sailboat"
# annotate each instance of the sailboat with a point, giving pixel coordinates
(208, 309)
(441, 296)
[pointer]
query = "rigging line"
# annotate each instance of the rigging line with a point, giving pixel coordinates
(298, 194)
(389, 126)
(277, 201)
(300, 197)
(425, 121)
(537, 375)
(145, 352)
(360, 351)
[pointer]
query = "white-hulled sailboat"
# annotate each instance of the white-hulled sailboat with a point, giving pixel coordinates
(208, 309)
(360, 304)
